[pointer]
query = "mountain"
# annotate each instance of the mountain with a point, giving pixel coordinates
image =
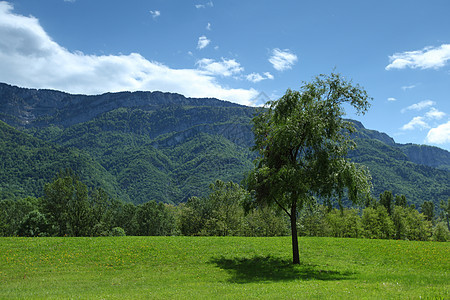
(22, 107)
(420, 154)
(27, 163)
(166, 147)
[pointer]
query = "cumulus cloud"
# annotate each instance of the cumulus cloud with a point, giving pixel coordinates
(226, 67)
(256, 77)
(30, 58)
(203, 42)
(433, 113)
(419, 106)
(155, 13)
(416, 122)
(282, 60)
(392, 99)
(427, 58)
(439, 134)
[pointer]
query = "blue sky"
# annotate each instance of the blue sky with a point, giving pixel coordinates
(399, 51)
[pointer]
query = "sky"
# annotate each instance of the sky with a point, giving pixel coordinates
(242, 51)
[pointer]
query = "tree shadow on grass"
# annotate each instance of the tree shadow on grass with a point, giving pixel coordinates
(269, 268)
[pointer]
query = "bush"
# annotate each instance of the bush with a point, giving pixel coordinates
(376, 223)
(346, 223)
(34, 224)
(441, 233)
(118, 231)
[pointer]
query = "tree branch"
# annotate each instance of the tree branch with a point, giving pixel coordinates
(282, 207)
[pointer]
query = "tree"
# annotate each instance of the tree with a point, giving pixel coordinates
(376, 223)
(66, 205)
(12, 214)
(34, 224)
(226, 199)
(387, 200)
(428, 210)
(400, 200)
(302, 141)
(154, 218)
(220, 213)
(445, 211)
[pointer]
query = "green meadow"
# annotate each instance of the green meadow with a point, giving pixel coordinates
(222, 267)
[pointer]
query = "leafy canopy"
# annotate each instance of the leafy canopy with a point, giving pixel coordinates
(302, 141)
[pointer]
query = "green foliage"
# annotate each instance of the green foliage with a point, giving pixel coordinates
(400, 200)
(410, 225)
(313, 220)
(220, 213)
(264, 221)
(391, 170)
(67, 205)
(13, 213)
(387, 200)
(167, 155)
(302, 142)
(154, 219)
(34, 224)
(27, 163)
(344, 223)
(428, 210)
(118, 231)
(441, 233)
(376, 223)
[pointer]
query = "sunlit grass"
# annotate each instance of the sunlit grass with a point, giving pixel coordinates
(228, 267)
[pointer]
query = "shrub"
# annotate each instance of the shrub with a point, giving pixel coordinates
(441, 233)
(118, 231)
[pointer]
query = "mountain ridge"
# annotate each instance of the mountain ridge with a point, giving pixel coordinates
(166, 147)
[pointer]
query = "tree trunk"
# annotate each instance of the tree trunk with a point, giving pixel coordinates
(293, 216)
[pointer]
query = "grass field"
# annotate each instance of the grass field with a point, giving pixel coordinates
(222, 267)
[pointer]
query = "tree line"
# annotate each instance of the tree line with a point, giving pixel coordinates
(70, 208)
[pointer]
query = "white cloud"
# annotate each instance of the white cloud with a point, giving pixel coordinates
(392, 99)
(433, 113)
(155, 13)
(209, 4)
(416, 122)
(429, 57)
(208, 27)
(226, 67)
(202, 42)
(256, 77)
(30, 58)
(419, 106)
(408, 87)
(439, 135)
(282, 59)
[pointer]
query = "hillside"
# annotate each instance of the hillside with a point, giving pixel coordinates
(27, 163)
(166, 147)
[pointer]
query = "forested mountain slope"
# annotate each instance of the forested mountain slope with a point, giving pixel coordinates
(166, 147)
(27, 163)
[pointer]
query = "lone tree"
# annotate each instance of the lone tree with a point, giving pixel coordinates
(302, 141)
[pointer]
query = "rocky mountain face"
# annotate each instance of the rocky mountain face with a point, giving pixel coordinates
(39, 108)
(166, 147)
(420, 154)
